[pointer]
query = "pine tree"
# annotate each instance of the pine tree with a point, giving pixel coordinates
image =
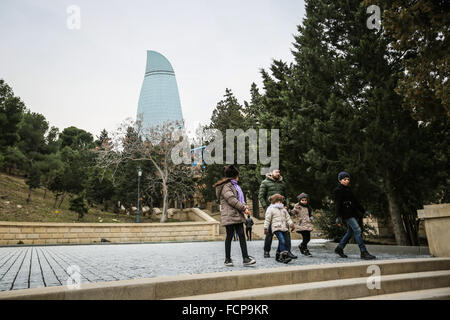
(337, 109)
(78, 205)
(33, 180)
(11, 113)
(420, 32)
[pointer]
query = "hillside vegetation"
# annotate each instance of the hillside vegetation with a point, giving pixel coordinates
(14, 206)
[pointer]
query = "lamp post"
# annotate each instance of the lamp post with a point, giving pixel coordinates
(139, 203)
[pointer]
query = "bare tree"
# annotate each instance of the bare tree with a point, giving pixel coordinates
(153, 144)
(151, 190)
(182, 185)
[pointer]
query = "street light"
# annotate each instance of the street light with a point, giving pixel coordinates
(139, 206)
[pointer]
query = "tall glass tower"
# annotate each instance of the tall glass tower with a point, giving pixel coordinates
(159, 100)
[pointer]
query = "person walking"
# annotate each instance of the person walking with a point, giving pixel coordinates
(302, 216)
(248, 227)
(279, 219)
(233, 211)
(273, 184)
(348, 209)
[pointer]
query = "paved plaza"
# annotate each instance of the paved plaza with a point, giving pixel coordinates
(40, 266)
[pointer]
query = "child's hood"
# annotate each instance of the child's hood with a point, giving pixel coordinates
(277, 205)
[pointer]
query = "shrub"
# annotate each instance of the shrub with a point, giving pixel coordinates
(325, 221)
(78, 205)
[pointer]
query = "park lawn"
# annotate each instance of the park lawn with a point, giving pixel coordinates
(14, 206)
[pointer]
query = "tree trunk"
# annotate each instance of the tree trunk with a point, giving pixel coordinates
(56, 200)
(45, 187)
(151, 208)
(401, 236)
(412, 227)
(29, 195)
(255, 202)
(62, 199)
(165, 202)
(181, 209)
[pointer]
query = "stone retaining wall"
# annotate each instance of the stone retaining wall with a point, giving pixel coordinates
(205, 228)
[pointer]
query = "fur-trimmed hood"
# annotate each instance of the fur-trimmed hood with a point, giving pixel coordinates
(269, 176)
(218, 183)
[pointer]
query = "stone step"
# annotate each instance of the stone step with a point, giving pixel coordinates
(429, 294)
(335, 289)
(213, 283)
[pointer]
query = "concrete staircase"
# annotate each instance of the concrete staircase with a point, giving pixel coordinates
(424, 278)
(413, 279)
(428, 294)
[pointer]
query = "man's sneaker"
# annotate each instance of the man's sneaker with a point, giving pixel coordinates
(291, 255)
(228, 262)
(249, 260)
(284, 257)
(277, 257)
(266, 254)
(340, 252)
(365, 255)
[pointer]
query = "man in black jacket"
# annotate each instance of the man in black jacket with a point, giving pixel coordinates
(248, 228)
(348, 209)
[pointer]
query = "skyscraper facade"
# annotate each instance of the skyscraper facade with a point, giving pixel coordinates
(159, 100)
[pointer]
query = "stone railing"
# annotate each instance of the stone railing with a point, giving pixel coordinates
(199, 227)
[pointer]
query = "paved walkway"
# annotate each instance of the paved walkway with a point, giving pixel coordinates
(34, 267)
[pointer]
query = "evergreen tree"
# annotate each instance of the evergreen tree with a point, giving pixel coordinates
(52, 141)
(32, 136)
(103, 142)
(228, 114)
(48, 164)
(337, 109)
(14, 159)
(56, 184)
(11, 113)
(420, 31)
(75, 138)
(33, 180)
(78, 205)
(99, 187)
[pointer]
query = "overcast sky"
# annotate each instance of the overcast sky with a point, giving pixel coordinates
(91, 77)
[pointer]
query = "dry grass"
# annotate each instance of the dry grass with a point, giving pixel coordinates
(14, 206)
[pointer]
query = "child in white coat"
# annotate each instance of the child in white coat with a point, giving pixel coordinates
(279, 219)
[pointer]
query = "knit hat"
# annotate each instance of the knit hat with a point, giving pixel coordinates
(343, 175)
(302, 195)
(230, 171)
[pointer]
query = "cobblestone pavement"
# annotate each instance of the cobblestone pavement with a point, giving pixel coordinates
(40, 266)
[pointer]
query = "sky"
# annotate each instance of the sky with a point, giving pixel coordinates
(90, 77)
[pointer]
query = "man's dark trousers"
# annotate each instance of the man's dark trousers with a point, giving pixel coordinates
(268, 240)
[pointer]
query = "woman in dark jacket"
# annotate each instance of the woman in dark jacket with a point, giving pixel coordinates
(348, 209)
(233, 211)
